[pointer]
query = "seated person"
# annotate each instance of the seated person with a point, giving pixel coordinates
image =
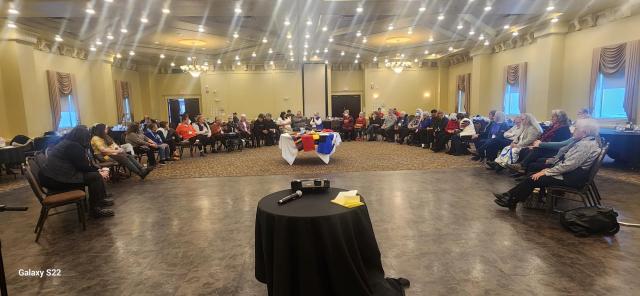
(67, 167)
(346, 126)
(105, 149)
(360, 126)
(569, 167)
(164, 153)
(284, 123)
(203, 131)
(531, 131)
(186, 132)
(459, 141)
(438, 125)
(298, 122)
(443, 137)
(412, 128)
(217, 134)
(316, 122)
(244, 127)
(272, 131)
(492, 139)
(484, 128)
(141, 142)
(388, 126)
(168, 135)
(375, 125)
(424, 129)
(230, 126)
(260, 131)
(401, 127)
(558, 132)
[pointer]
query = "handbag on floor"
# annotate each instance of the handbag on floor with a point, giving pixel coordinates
(508, 155)
(591, 220)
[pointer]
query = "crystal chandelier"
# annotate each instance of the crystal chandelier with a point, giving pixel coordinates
(398, 66)
(194, 69)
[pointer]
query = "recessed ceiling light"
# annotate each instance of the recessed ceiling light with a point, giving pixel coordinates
(422, 9)
(550, 7)
(309, 22)
(415, 60)
(237, 57)
(356, 61)
(289, 35)
(430, 38)
(386, 60)
(270, 62)
(90, 10)
(124, 30)
(487, 8)
(166, 11)
(486, 42)
(390, 27)
(109, 36)
(472, 32)
(304, 53)
(237, 10)
(118, 55)
(235, 35)
(200, 29)
(189, 59)
(317, 51)
(98, 42)
(144, 20)
(342, 53)
(326, 61)
(481, 37)
(264, 40)
(358, 34)
(11, 25)
(324, 29)
(357, 56)
(450, 48)
(330, 39)
(238, 63)
(554, 20)
(132, 53)
(92, 48)
(57, 38)
(291, 53)
(359, 9)
(506, 27)
(13, 11)
(108, 1)
(290, 46)
(402, 55)
(441, 17)
(364, 40)
(326, 50)
(162, 56)
(173, 64)
(253, 54)
(460, 26)
(307, 36)
(515, 33)
(426, 52)
(306, 45)
(219, 61)
(270, 50)
(287, 22)
(291, 59)
(375, 59)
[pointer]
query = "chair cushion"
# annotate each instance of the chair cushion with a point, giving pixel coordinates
(64, 197)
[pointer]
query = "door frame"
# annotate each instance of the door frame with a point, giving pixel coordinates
(345, 93)
(166, 102)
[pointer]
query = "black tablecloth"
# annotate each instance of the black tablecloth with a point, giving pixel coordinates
(311, 246)
(623, 147)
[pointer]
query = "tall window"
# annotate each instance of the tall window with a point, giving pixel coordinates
(68, 113)
(127, 109)
(460, 99)
(183, 107)
(609, 96)
(512, 99)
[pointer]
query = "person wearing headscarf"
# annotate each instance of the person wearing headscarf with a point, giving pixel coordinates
(413, 126)
(492, 140)
(460, 140)
(389, 124)
(401, 126)
(67, 167)
(316, 122)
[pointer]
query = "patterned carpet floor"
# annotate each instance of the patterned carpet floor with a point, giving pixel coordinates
(349, 157)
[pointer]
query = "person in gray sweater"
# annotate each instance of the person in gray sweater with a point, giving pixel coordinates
(569, 168)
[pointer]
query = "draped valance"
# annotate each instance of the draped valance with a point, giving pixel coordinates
(122, 92)
(516, 75)
(61, 85)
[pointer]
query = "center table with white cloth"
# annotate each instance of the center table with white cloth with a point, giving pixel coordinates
(322, 143)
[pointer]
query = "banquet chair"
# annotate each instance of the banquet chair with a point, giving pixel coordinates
(51, 200)
(588, 193)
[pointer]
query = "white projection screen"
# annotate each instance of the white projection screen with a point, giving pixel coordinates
(314, 85)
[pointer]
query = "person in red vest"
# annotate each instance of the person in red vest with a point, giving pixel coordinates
(360, 126)
(347, 126)
(186, 131)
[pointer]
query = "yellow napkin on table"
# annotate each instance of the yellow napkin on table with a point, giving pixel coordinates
(348, 199)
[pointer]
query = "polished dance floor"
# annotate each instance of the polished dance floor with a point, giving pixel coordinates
(439, 228)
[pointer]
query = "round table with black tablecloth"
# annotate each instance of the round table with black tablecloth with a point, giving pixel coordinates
(623, 146)
(311, 246)
(12, 156)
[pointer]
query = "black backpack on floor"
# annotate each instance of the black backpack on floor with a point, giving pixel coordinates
(591, 220)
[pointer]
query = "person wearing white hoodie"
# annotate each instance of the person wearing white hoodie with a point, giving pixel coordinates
(459, 140)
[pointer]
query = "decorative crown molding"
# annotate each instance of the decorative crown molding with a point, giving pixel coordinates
(60, 49)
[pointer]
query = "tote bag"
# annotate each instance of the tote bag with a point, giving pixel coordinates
(508, 155)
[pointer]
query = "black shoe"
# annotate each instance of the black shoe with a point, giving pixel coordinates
(100, 212)
(476, 158)
(520, 179)
(498, 168)
(491, 165)
(516, 175)
(109, 195)
(145, 172)
(507, 203)
(202, 153)
(107, 202)
(501, 196)
(405, 283)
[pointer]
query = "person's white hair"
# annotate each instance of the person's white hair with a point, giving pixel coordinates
(499, 117)
(453, 115)
(531, 120)
(590, 126)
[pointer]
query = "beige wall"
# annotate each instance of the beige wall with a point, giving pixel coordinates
(411, 89)
(251, 92)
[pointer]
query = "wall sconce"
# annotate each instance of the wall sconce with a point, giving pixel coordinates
(375, 96)
(427, 94)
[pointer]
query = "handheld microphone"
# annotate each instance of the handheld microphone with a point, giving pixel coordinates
(290, 197)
